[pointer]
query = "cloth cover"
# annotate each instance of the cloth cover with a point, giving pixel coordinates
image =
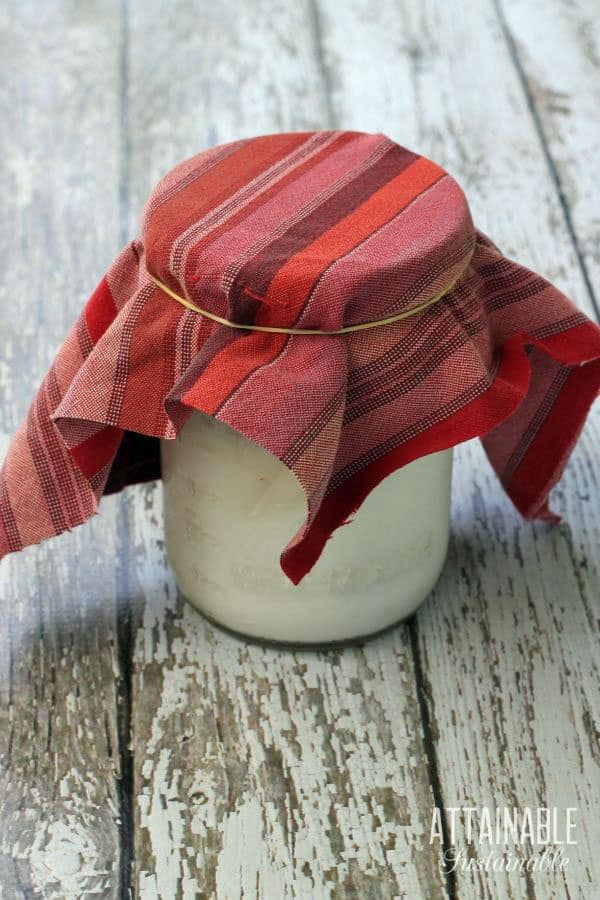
(316, 230)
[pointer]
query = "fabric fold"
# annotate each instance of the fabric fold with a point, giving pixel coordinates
(504, 356)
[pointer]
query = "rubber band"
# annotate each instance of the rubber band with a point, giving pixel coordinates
(405, 314)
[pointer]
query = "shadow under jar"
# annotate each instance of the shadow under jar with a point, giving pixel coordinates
(230, 507)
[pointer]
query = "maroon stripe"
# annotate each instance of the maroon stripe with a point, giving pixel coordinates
(8, 518)
(372, 285)
(375, 453)
(414, 341)
(400, 383)
(259, 271)
(310, 433)
(46, 477)
(577, 318)
(509, 291)
(378, 370)
(400, 358)
(270, 182)
(365, 183)
(123, 358)
(435, 356)
(534, 426)
(464, 303)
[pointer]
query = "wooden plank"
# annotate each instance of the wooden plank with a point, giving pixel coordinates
(59, 744)
(556, 48)
(276, 773)
(369, 784)
(438, 77)
(271, 773)
(227, 72)
(507, 642)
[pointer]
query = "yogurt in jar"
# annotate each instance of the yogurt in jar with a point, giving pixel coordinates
(230, 507)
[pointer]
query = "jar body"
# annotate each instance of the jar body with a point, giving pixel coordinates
(230, 507)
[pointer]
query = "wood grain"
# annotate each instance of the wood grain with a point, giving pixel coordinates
(509, 641)
(556, 47)
(59, 675)
(266, 772)
(145, 752)
(216, 74)
(439, 78)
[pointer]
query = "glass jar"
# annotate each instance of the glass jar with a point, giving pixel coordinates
(230, 507)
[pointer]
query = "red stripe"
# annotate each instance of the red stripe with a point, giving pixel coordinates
(475, 418)
(247, 210)
(187, 206)
(228, 370)
(539, 470)
(98, 450)
(100, 311)
(546, 456)
(296, 278)
(333, 212)
(574, 346)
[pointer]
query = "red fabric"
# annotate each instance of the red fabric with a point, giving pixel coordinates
(314, 230)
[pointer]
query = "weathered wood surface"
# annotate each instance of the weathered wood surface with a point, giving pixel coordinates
(509, 639)
(445, 84)
(256, 772)
(60, 801)
(509, 643)
(272, 773)
(557, 51)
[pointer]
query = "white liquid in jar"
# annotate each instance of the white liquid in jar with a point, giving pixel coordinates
(230, 507)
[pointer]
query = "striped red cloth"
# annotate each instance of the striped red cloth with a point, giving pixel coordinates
(318, 230)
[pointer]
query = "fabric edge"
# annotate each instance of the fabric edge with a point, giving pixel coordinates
(505, 393)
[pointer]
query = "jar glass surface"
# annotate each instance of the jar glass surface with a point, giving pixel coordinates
(230, 507)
